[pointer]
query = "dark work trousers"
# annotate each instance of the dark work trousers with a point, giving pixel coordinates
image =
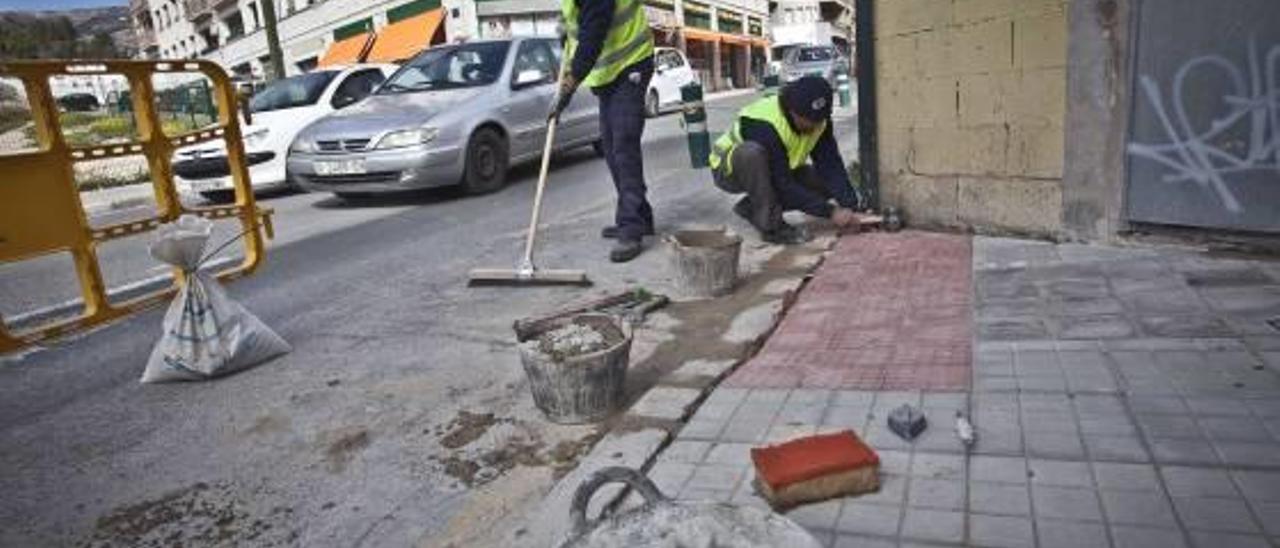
(751, 175)
(621, 126)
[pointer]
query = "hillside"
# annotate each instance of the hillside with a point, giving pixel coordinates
(66, 34)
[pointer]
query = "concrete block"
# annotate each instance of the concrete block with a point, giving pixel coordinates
(896, 57)
(1036, 151)
(1037, 97)
(926, 200)
(911, 16)
(983, 47)
(983, 97)
(964, 12)
(935, 56)
(1040, 40)
(953, 150)
(936, 106)
(665, 402)
(1020, 205)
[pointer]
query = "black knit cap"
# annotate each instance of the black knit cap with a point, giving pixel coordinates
(809, 97)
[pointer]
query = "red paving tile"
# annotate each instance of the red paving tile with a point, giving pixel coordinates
(885, 311)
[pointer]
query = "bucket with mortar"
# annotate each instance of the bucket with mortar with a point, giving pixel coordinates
(705, 261)
(576, 366)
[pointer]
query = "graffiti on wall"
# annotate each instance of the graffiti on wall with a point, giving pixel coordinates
(1242, 137)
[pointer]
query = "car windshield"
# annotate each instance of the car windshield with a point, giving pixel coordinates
(292, 92)
(462, 66)
(810, 55)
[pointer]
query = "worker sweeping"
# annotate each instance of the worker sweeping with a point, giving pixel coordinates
(765, 156)
(610, 50)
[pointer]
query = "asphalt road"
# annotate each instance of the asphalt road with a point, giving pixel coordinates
(340, 442)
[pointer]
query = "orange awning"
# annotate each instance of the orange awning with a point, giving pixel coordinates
(348, 51)
(699, 34)
(735, 39)
(404, 39)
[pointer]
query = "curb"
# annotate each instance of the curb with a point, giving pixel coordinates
(129, 291)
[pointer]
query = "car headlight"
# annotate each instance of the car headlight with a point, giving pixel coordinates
(256, 137)
(305, 146)
(407, 138)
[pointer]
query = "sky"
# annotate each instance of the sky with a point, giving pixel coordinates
(56, 5)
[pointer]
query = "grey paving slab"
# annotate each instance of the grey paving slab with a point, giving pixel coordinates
(1111, 476)
(893, 491)
(1200, 539)
(1184, 481)
(1065, 503)
(869, 519)
(999, 498)
(1070, 534)
(894, 462)
(1138, 508)
(857, 541)
(1214, 514)
(1054, 445)
(936, 494)
(665, 402)
(1146, 537)
(1093, 327)
(937, 466)
(1116, 448)
(1258, 485)
(1060, 473)
(715, 477)
(686, 451)
(998, 469)
(933, 525)
(1000, 531)
(736, 454)
(1249, 454)
(1268, 515)
(1183, 451)
(819, 516)
(670, 477)
(726, 396)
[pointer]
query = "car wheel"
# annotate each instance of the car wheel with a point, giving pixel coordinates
(651, 104)
(486, 169)
(219, 196)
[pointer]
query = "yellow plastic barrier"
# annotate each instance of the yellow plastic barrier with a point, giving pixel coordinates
(40, 208)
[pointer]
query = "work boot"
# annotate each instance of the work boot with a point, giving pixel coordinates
(611, 232)
(785, 234)
(625, 250)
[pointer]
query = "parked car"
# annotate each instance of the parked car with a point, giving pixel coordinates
(457, 114)
(278, 112)
(78, 102)
(671, 72)
(803, 61)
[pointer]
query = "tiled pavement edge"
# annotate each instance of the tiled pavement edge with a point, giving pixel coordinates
(1123, 397)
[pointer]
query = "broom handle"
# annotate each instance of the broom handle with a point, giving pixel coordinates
(527, 264)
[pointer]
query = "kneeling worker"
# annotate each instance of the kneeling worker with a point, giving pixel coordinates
(764, 156)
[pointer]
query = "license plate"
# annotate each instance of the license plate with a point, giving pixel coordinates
(340, 167)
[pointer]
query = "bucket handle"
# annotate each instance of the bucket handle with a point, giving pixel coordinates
(629, 476)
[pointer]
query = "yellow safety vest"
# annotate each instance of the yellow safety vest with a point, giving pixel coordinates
(768, 109)
(629, 40)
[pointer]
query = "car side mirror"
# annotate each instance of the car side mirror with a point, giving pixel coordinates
(529, 77)
(342, 101)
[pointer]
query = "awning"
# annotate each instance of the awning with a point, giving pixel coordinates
(713, 36)
(346, 52)
(404, 39)
(691, 33)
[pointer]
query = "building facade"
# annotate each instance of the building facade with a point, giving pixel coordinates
(798, 22)
(726, 40)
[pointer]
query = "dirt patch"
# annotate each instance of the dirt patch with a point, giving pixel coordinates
(466, 428)
(475, 469)
(198, 515)
(340, 451)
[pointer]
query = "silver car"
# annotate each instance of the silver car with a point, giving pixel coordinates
(810, 61)
(455, 115)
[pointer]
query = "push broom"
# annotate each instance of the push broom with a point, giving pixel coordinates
(527, 273)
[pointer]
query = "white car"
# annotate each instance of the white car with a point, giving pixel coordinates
(671, 72)
(278, 113)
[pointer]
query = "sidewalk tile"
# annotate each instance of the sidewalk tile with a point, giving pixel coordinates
(1249, 454)
(937, 494)
(894, 462)
(1258, 485)
(1143, 537)
(1000, 531)
(933, 525)
(1065, 503)
(685, 451)
(893, 491)
(999, 498)
(998, 469)
(715, 477)
(1269, 514)
(1116, 448)
(1220, 540)
(736, 454)
(1054, 445)
(1134, 508)
(1060, 473)
(869, 519)
(818, 516)
(937, 466)
(1183, 451)
(1198, 482)
(1126, 477)
(851, 541)
(1070, 534)
(670, 477)
(1206, 514)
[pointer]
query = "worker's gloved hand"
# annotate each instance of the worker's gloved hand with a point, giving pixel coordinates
(564, 94)
(843, 217)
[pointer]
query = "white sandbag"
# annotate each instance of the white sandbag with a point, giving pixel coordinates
(206, 334)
